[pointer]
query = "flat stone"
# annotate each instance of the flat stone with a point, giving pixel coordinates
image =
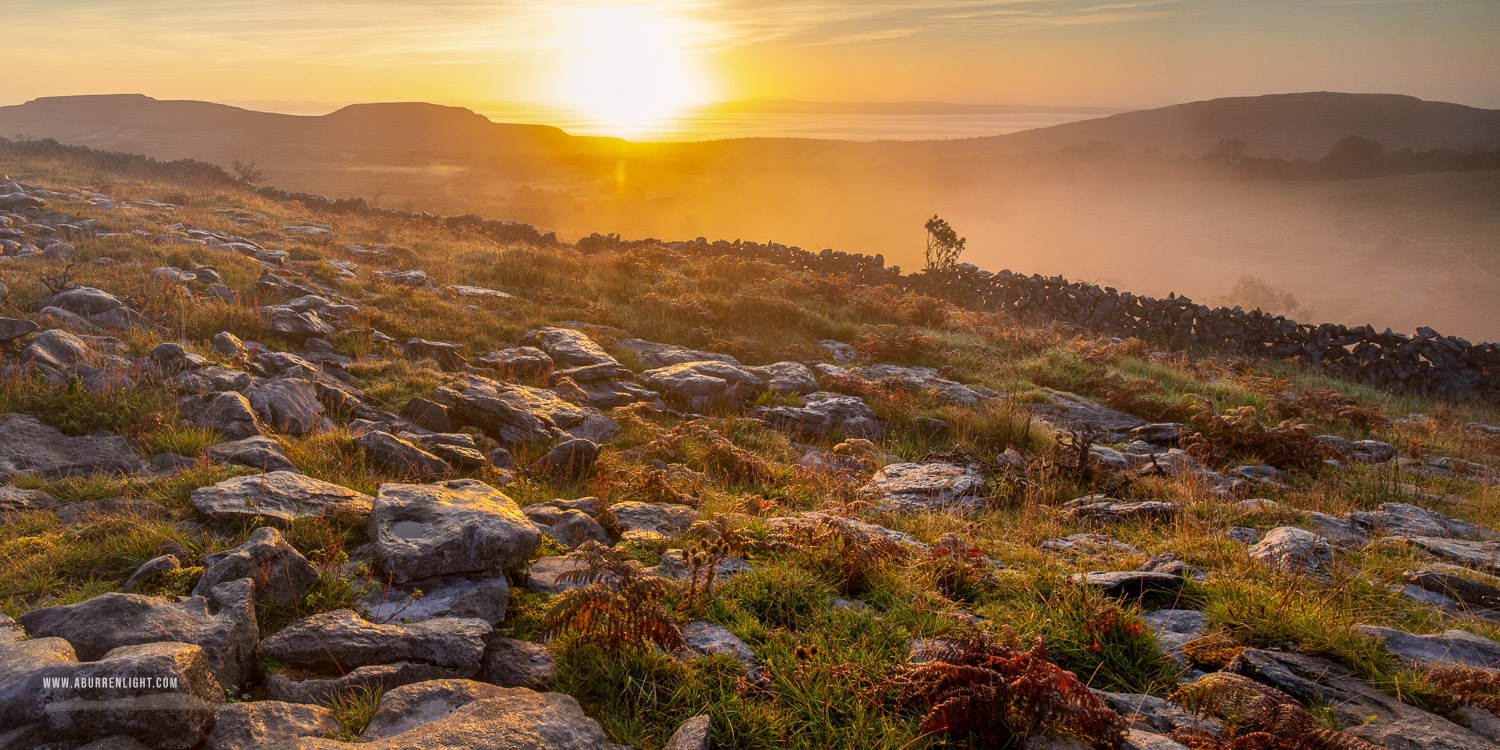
(1402, 519)
(647, 522)
(1293, 550)
(1069, 410)
(258, 452)
(545, 575)
(926, 488)
(481, 598)
(402, 456)
(519, 718)
(652, 355)
(410, 706)
(567, 347)
(13, 499)
(290, 406)
(278, 498)
(1131, 584)
(456, 526)
(1452, 647)
(517, 415)
(1479, 555)
(518, 362)
(1465, 590)
(41, 692)
(709, 638)
(222, 624)
(28, 447)
(1101, 509)
(251, 725)
(693, 734)
(512, 663)
(342, 640)
(13, 328)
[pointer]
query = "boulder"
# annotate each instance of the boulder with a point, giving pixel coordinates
(477, 292)
(481, 598)
(211, 379)
(1365, 711)
(410, 706)
(545, 575)
(281, 574)
(570, 461)
(567, 527)
(788, 377)
(1402, 519)
(652, 355)
(226, 412)
(567, 347)
(289, 405)
(1066, 411)
(401, 455)
(1465, 590)
(13, 499)
(700, 384)
(278, 498)
(169, 702)
(228, 345)
(693, 734)
(517, 415)
(1451, 647)
(150, 569)
(1100, 509)
(1173, 629)
(824, 415)
(512, 663)
(448, 356)
(520, 719)
(519, 362)
(648, 522)
(293, 324)
(222, 624)
(1293, 550)
(248, 726)
(1479, 555)
(84, 300)
(373, 678)
(709, 638)
(13, 328)
(341, 640)
(456, 526)
(258, 452)
(29, 447)
(925, 488)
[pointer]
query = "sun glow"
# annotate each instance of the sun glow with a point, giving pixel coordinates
(629, 67)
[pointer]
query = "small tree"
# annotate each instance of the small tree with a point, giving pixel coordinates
(1230, 151)
(247, 171)
(943, 245)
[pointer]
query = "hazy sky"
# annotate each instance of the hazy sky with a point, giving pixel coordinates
(1126, 53)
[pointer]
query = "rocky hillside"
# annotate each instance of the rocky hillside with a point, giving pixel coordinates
(311, 478)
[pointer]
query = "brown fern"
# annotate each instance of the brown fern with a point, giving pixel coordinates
(1256, 717)
(619, 606)
(996, 695)
(852, 551)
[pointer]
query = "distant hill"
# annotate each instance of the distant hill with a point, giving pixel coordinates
(1284, 125)
(797, 106)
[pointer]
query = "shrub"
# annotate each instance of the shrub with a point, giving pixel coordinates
(996, 695)
(620, 607)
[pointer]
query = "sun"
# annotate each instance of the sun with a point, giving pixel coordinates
(628, 67)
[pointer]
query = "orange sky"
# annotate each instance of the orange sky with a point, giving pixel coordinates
(1130, 53)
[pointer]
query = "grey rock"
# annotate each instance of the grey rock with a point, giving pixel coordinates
(280, 572)
(293, 324)
(259, 452)
(652, 355)
(222, 624)
(428, 414)
(1452, 647)
(290, 406)
(1173, 629)
(247, 726)
(84, 300)
(545, 575)
(518, 415)
(519, 718)
(1131, 584)
(401, 455)
(1480, 555)
(1466, 590)
(410, 706)
(226, 412)
(518, 362)
(1158, 714)
(374, 677)
(1100, 509)
(512, 663)
(1340, 532)
(37, 689)
(149, 569)
(481, 598)
(925, 488)
(459, 290)
(788, 377)
(1372, 451)
(211, 379)
(342, 640)
(648, 522)
(1365, 711)
(1293, 550)
(567, 527)
(693, 734)
(278, 498)
(1067, 410)
(824, 414)
(12, 329)
(13, 499)
(448, 356)
(570, 461)
(709, 638)
(567, 347)
(228, 345)
(703, 383)
(56, 350)
(1242, 534)
(456, 526)
(1161, 433)
(29, 447)
(1402, 519)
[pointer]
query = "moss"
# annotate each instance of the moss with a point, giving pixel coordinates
(170, 583)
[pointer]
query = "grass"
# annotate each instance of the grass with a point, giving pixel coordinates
(744, 470)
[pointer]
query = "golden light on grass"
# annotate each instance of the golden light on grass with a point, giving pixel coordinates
(628, 66)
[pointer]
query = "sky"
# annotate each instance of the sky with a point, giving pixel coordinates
(285, 54)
